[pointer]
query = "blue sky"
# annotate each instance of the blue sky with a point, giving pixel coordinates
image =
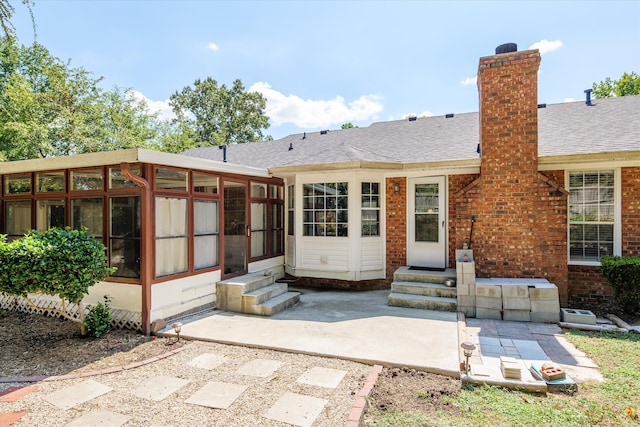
(321, 64)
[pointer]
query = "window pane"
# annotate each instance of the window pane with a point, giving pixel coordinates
(50, 181)
(427, 198)
(205, 215)
(426, 228)
(117, 180)
(258, 244)
(171, 256)
(17, 184)
(49, 214)
(258, 190)
(171, 217)
(170, 179)
(325, 207)
(87, 180)
(18, 217)
(205, 251)
(87, 213)
(205, 183)
(125, 216)
(125, 256)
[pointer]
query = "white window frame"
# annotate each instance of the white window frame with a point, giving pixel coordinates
(617, 214)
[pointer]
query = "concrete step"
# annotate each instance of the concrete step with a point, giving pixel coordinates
(248, 282)
(423, 302)
(429, 289)
(277, 304)
(264, 293)
(404, 274)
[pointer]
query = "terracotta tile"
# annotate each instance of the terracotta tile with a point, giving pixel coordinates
(8, 418)
(12, 394)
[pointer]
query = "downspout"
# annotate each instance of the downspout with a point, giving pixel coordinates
(146, 249)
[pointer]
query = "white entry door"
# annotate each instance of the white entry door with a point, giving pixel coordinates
(427, 225)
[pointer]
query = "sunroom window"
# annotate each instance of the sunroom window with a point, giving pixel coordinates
(172, 241)
(591, 215)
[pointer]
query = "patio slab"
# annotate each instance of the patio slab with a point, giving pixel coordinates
(208, 361)
(358, 326)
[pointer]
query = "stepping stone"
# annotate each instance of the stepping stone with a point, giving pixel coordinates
(260, 368)
(296, 409)
(12, 394)
(8, 418)
(208, 361)
(99, 418)
(217, 395)
(68, 397)
(322, 377)
(159, 388)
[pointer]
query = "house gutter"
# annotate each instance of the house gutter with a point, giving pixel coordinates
(145, 237)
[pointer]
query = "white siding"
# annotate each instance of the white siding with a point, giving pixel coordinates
(331, 254)
(372, 255)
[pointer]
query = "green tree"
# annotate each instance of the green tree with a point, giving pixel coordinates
(6, 13)
(628, 84)
(216, 115)
(48, 108)
(348, 125)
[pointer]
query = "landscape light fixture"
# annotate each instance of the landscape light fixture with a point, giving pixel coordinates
(467, 349)
(177, 327)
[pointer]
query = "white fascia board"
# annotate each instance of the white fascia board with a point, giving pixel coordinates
(590, 161)
(188, 162)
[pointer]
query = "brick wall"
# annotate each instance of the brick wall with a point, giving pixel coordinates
(396, 206)
(459, 215)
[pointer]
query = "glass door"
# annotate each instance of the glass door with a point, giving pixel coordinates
(427, 223)
(236, 234)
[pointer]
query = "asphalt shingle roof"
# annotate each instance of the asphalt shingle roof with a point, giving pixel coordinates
(609, 125)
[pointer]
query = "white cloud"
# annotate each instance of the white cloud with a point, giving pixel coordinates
(163, 108)
(546, 46)
(214, 47)
(569, 100)
(469, 81)
(309, 113)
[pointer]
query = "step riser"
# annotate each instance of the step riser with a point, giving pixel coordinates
(269, 310)
(261, 295)
(434, 291)
(421, 278)
(249, 283)
(421, 304)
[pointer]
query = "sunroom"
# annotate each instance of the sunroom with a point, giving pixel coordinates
(173, 226)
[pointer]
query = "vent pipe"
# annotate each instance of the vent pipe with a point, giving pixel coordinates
(588, 101)
(223, 147)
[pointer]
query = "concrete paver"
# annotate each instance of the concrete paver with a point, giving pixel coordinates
(99, 418)
(74, 395)
(261, 368)
(322, 377)
(296, 409)
(216, 394)
(159, 387)
(208, 361)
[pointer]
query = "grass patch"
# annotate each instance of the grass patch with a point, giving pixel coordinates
(614, 402)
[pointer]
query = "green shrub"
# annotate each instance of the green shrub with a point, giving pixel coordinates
(57, 262)
(98, 318)
(623, 275)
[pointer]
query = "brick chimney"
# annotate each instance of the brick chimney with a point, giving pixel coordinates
(520, 214)
(508, 90)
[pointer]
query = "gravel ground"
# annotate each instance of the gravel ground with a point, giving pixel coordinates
(247, 410)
